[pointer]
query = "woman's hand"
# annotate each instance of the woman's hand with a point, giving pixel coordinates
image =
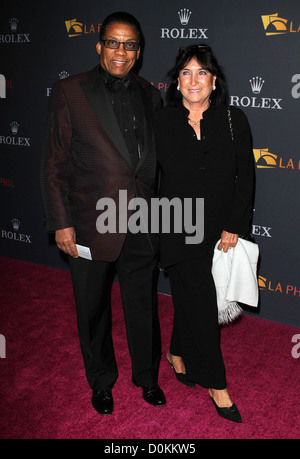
(65, 240)
(227, 240)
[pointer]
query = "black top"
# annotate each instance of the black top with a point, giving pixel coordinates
(128, 108)
(214, 168)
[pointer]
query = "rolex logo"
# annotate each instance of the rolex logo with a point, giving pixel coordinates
(14, 37)
(15, 235)
(13, 24)
(256, 84)
(63, 75)
(184, 16)
(14, 127)
(15, 224)
(14, 139)
(191, 33)
(255, 101)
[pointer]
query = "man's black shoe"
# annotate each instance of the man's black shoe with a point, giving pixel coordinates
(102, 401)
(154, 395)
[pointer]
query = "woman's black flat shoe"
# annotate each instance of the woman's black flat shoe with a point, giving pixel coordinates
(182, 377)
(232, 413)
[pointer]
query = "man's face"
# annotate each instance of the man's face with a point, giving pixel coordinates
(118, 62)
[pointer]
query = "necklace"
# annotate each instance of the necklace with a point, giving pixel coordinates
(195, 123)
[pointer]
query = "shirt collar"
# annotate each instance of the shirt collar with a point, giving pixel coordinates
(114, 83)
(185, 111)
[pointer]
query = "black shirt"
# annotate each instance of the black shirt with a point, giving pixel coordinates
(128, 108)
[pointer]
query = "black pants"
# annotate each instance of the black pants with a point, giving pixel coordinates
(195, 334)
(92, 282)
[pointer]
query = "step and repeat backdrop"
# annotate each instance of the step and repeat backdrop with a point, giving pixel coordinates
(257, 42)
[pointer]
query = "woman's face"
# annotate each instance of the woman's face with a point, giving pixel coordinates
(195, 84)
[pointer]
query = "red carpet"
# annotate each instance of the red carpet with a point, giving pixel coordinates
(44, 394)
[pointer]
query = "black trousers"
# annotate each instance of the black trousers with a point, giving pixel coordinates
(196, 335)
(92, 282)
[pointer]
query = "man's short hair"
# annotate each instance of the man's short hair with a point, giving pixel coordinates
(120, 17)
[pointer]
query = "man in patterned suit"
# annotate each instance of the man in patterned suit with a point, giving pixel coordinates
(99, 141)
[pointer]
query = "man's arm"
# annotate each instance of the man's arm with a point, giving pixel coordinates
(54, 172)
(55, 162)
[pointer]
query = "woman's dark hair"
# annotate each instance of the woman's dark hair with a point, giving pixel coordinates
(206, 58)
(120, 17)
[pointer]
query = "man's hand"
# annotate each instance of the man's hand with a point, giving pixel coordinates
(227, 240)
(65, 240)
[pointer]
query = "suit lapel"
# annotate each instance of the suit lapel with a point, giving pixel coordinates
(96, 93)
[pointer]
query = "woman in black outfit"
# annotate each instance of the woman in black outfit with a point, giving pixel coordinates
(198, 158)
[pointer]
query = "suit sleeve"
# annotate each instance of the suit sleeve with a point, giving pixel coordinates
(239, 221)
(55, 162)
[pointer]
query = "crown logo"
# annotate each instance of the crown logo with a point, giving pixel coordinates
(256, 84)
(63, 75)
(184, 16)
(15, 223)
(13, 24)
(14, 127)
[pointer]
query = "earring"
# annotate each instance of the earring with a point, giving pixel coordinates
(178, 88)
(213, 88)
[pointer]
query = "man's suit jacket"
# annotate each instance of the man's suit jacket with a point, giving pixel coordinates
(85, 158)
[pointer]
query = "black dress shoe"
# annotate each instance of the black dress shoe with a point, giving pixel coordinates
(232, 413)
(102, 401)
(182, 377)
(154, 395)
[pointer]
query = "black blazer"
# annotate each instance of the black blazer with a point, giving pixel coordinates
(215, 168)
(85, 158)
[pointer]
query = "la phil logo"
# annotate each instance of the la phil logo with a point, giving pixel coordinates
(6, 183)
(183, 32)
(161, 86)
(265, 284)
(275, 25)
(77, 29)
(15, 37)
(256, 85)
(266, 160)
